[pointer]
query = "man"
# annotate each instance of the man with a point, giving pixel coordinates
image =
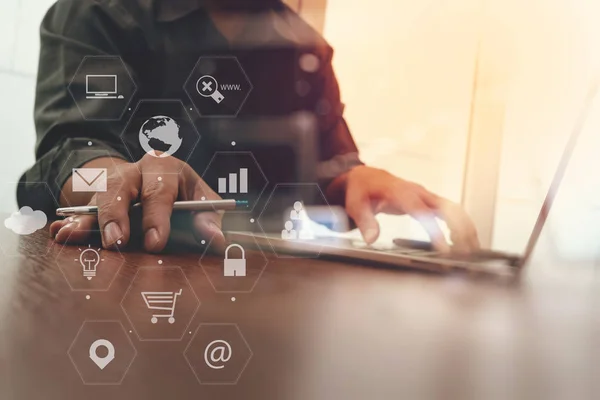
(159, 41)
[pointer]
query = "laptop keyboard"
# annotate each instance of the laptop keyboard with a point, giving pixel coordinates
(471, 258)
(406, 251)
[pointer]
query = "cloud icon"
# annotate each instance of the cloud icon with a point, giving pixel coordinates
(26, 221)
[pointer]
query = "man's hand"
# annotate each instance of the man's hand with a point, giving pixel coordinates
(369, 191)
(128, 183)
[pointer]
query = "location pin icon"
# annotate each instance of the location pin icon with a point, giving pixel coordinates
(102, 362)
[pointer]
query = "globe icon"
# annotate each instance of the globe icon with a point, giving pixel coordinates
(159, 136)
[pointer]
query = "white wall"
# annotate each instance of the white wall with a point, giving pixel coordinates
(19, 46)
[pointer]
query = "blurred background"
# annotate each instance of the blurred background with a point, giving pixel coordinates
(474, 99)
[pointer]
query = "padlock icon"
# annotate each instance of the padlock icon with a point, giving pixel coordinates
(234, 266)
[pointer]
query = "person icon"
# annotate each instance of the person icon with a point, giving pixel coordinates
(289, 233)
(296, 213)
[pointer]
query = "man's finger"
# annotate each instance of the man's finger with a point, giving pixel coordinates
(74, 230)
(413, 205)
(359, 208)
(462, 230)
(57, 226)
(113, 205)
(193, 187)
(207, 225)
(159, 192)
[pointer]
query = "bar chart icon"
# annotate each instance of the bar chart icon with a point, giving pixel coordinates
(230, 185)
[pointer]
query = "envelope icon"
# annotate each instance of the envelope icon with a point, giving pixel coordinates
(89, 179)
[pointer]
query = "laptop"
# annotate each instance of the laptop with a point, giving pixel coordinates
(408, 253)
(103, 87)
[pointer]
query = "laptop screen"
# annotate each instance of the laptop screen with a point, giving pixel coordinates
(559, 199)
(101, 84)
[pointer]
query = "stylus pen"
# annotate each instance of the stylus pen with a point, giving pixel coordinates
(194, 205)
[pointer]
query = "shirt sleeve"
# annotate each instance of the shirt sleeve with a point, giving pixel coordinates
(338, 151)
(70, 31)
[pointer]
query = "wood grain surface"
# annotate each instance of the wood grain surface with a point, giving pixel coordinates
(315, 330)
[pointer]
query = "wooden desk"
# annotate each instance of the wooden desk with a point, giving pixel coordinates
(317, 330)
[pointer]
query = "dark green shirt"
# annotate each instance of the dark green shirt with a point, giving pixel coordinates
(160, 43)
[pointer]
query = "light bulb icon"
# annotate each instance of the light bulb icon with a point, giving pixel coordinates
(89, 260)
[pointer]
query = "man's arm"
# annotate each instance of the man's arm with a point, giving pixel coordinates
(70, 31)
(365, 191)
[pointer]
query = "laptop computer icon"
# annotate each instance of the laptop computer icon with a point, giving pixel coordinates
(103, 87)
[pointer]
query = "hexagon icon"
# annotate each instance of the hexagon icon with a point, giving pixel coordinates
(294, 215)
(218, 86)
(88, 180)
(160, 128)
(218, 354)
(236, 175)
(102, 88)
(102, 352)
(238, 271)
(160, 303)
(88, 267)
(29, 220)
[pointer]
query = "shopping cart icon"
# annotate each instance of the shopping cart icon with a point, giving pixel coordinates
(161, 301)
